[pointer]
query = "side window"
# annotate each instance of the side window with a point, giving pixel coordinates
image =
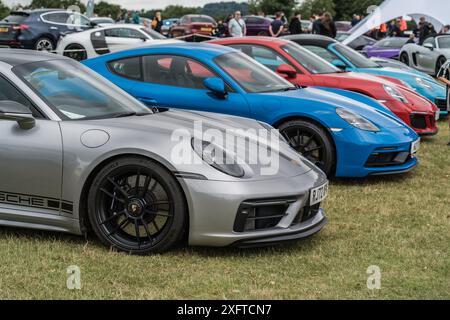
(10, 93)
(123, 33)
(322, 52)
(263, 55)
(57, 17)
(430, 41)
(127, 68)
(175, 71)
(78, 19)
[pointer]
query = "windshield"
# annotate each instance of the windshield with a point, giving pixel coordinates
(153, 34)
(444, 42)
(310, 61)
(75, 92)
(251, 75)
(357, 59)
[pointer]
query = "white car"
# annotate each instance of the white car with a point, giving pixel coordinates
(111, 38)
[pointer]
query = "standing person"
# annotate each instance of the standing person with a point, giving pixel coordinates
(424, 30)
(317, 24)
(127, 17)
(356, 19)
(444, 76)
(394, 29)
(236, 26)
(221, 30)
(136, 18)
(277, 25)
(327, 26)
(295, 27)
(157, 22)
(412, 39)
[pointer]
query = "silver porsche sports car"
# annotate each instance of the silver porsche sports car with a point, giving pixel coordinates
(428, 57)
(77, 154)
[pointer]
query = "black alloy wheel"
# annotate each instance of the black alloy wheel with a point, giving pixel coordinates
(136, 206)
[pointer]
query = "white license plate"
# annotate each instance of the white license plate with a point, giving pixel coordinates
(438, 115)
(415, 146)
(318, 194)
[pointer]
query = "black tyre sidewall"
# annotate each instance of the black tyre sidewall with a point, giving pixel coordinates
(320, 132)
(177, 229)
(404, 58)
(76, 47)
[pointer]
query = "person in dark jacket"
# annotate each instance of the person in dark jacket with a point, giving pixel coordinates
(327, 26)
(295, 27)
(316, 25)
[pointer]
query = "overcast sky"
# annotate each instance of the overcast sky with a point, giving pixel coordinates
(139, 4)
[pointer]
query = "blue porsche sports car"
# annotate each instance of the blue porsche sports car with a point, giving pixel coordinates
(348, 59)
(344, 133)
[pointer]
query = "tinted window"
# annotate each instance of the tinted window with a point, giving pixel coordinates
(16, 18)
(313, 63)
(323, 53)
(76, 91)
(357, 59)
(57, 17)
(78, 19)
(127, 68)
(250, 75)
(430, 40)
(123, 33)
(263, 55)
(10, 93)
(392, 42)
(444, 42)
(175, 71)
(254, 20)
(153, 34)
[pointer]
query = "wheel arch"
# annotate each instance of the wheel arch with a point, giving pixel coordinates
(82, 210)
(318, 123)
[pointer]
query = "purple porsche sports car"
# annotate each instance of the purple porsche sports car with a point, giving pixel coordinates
(386, 48)
(257, 26)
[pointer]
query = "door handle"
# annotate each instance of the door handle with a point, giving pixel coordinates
(54, 28)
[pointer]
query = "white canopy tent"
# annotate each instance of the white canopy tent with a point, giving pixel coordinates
(437, 12)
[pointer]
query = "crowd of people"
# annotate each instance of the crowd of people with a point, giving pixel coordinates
(321, 23)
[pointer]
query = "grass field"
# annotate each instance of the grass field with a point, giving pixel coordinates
(401, 224)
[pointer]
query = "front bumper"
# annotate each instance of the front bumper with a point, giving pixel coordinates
(214, 208)
(356, 147)
(423, 123)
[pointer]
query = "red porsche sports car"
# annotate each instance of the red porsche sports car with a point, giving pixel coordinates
(304, 68)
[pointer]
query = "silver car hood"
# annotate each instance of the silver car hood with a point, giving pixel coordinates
(157, 134)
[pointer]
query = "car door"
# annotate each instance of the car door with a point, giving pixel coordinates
(30, 162)
(426, 58)
(173, 81)
(122, 38)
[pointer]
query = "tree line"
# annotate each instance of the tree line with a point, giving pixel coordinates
(340, 9)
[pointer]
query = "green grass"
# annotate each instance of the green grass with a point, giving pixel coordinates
(401, 224)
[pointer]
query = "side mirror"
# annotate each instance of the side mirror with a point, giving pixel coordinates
(14, 111)
(217, 86)
(340, 64)
(287, 71)
(428, 46)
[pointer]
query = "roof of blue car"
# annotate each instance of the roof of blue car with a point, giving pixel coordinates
(204, 49)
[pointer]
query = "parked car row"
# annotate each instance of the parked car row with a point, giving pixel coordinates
(103, 154)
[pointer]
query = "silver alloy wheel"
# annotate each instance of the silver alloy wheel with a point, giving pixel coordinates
(44, 45)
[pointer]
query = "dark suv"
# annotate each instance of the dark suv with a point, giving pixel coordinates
(40, 29)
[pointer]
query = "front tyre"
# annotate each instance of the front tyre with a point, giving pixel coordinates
(440, 62)
(135, 205)
(404, 58)
(311, 141)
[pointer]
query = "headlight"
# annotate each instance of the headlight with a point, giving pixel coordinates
(217, 158)
(423, 83)
(356, 120)
(394, 93)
